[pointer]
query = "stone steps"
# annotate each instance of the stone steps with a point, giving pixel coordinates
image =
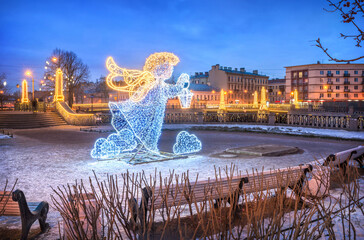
(29, 120)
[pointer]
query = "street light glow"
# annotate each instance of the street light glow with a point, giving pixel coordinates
(54, 59)
(28, 73)
(5, 83)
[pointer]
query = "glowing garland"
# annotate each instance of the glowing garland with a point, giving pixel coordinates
(24, 91)
(138, 120)
(186, 143)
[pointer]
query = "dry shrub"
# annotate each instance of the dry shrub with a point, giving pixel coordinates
(136, 206)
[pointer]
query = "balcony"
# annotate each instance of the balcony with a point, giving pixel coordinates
(329, 74)
(329, 90)
(330, 82)
(346, 83)
(346, 74)
(346, 90)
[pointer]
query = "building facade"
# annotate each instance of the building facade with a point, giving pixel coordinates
(238, 83)
(203, 95)
(326, 82)
(200, 78)
(277, 90)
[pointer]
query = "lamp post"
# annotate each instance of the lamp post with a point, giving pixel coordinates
(29, 74)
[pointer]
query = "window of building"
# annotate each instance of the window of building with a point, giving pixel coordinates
(337, 79)
(337, 94)
(329, 95)
(337, 72)
(356, 87)
(346, 72)
(328, 72)
(345, 79)
(321, 95)
(337, 87)
(321, 87)
(355, 79)
(300, 74)
(355, 95)
(355, 72)
(346, 95)
(321, 80)
(321, 72)
(346, 87)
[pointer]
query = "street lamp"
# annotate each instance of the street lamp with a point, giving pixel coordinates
(5, 83)
(29, 74)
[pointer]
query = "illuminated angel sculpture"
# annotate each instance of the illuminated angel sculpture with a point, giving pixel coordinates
(139, 119)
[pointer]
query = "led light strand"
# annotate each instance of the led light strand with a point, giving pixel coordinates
(138, 120)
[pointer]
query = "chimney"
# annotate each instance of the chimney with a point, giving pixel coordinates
(225, 68)
(201, 73)
(230, 68)
(206, 73)
(242, 69)
(236, 69)
(255, 71)
(318, 62)
(196, 73)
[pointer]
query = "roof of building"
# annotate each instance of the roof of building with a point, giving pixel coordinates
(240, 72)
(272, 81)
(327, 64)
(199, 76)
(202, 87)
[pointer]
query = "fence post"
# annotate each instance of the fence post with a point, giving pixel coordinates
(271, 118)
(200, 117)
(353, 124)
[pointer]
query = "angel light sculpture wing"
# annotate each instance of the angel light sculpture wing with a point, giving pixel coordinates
(134, 82)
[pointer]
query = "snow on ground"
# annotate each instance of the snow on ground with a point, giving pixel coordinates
(289, 130)
(50, 157)
(303, 131)
(3, 136)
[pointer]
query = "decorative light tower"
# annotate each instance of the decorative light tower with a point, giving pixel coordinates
(263, 99)
(295, 97)
(58, 90)
(255, 103)
(222, 106)
(24, 95)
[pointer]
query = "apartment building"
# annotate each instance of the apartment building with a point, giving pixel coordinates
(238, 83)
(200, 78)
(277, 90)
(326, 82)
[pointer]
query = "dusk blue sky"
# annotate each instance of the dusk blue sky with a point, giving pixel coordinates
(264, 35)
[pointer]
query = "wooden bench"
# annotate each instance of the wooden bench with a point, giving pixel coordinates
(228, 189)
(15, 204)
(341, 159)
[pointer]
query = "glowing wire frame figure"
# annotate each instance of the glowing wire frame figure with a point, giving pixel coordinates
(142, 115)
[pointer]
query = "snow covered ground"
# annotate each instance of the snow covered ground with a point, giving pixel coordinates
(289, 130)
(301, 131)
(50, 157)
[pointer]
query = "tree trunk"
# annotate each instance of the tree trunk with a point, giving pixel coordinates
(70, 97)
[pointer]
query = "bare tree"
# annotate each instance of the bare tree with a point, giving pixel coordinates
(350, 11)
(102, 87)
(75, 72)
(4, 90)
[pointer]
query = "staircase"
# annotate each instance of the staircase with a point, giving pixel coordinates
(24, 120)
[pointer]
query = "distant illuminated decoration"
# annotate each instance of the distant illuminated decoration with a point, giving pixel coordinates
(58, 90)
(24, 92)
(138, 121)
(255, 103)
(263, 99)
(222, 100)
